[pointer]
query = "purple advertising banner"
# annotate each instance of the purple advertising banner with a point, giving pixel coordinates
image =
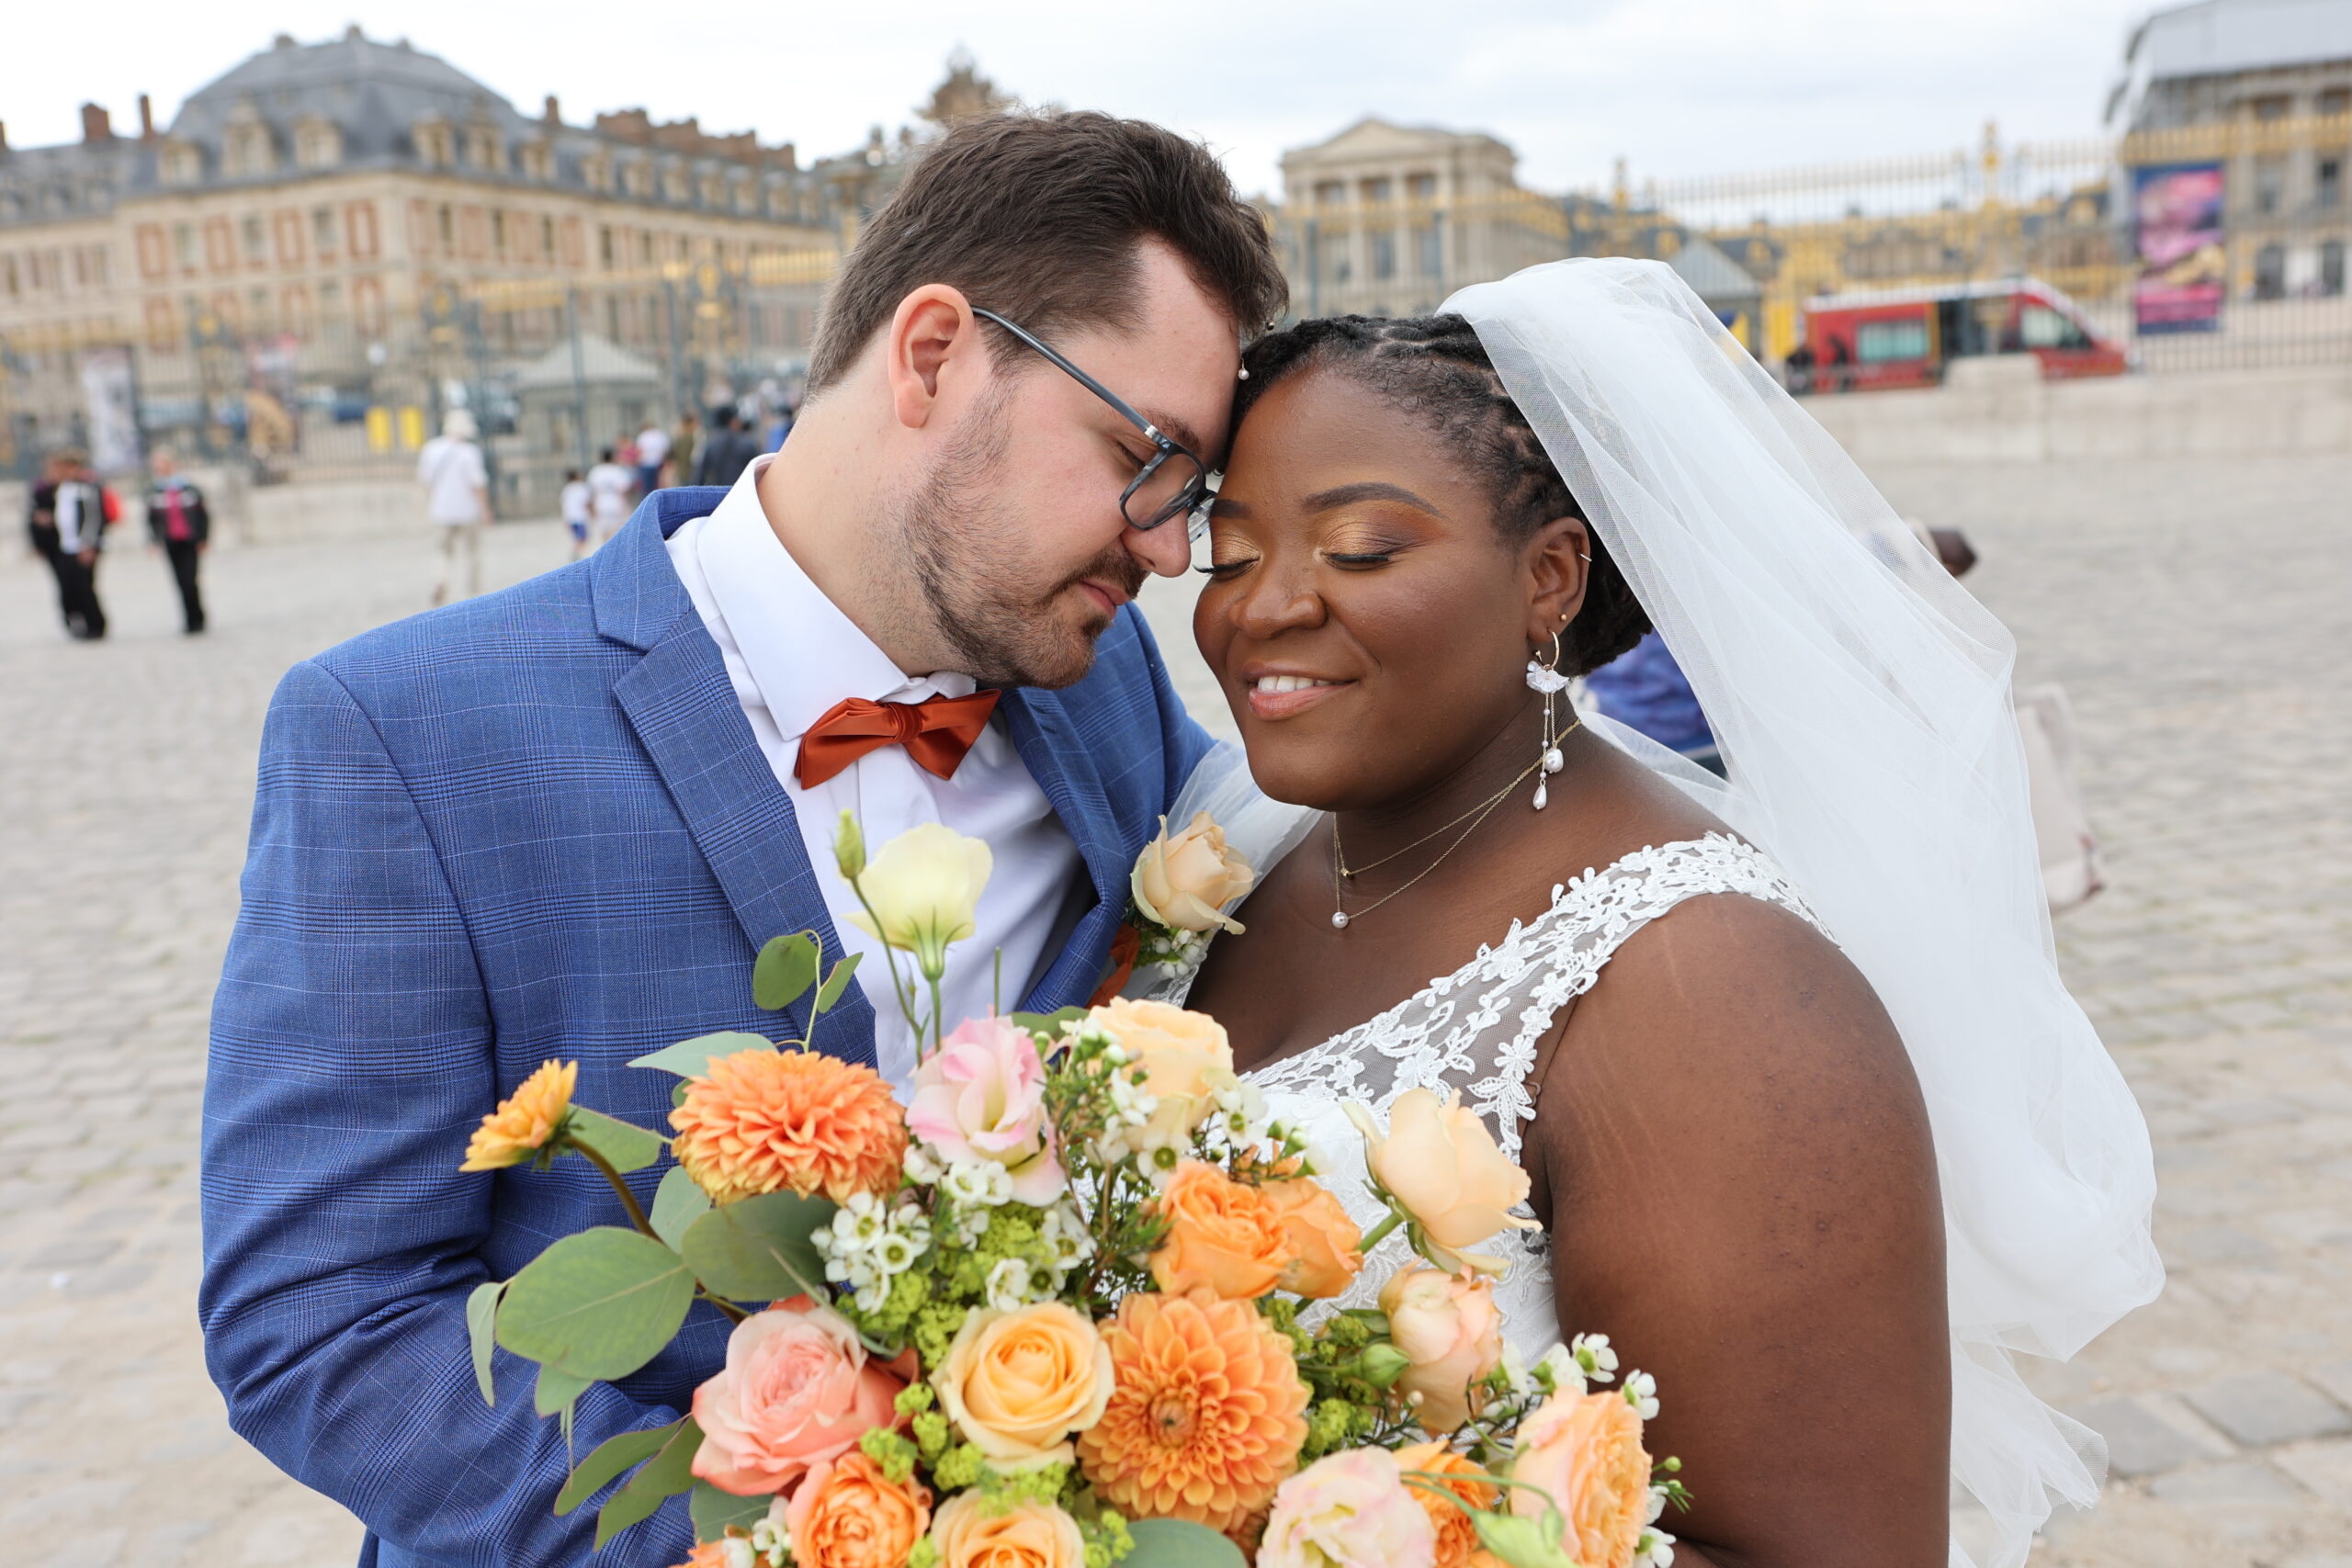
(2183, 270)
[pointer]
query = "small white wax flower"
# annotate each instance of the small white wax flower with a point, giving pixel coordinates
(1593, 1354)
(978, 1183)
(1008, 1285)
(1641, 1392)
(922, 1167)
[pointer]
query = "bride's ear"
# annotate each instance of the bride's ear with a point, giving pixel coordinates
(1559, 561)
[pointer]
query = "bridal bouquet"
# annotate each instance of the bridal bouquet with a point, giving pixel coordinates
(1066, 1305)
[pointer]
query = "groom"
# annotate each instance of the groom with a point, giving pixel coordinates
(560, 822)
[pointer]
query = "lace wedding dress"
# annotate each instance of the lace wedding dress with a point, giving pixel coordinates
(1477, 1031)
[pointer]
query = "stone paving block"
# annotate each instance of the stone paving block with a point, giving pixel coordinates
(2265, 1407)
(2149, 1434)
(2325, 1468)
(2241, 1482)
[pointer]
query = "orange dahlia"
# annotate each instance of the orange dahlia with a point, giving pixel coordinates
(1206, 1415)
(760, 1120)
(1457, 1538)
(524, 1120)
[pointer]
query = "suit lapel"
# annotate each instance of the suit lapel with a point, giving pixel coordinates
(1044, 734)
(686, 715)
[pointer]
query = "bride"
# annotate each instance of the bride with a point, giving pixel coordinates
(1814, 1131)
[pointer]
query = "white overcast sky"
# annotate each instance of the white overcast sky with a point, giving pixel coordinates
(1676, 86)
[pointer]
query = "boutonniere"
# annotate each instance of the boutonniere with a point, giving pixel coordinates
(1178, 895)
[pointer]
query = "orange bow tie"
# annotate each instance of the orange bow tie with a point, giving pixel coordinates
(936, 732)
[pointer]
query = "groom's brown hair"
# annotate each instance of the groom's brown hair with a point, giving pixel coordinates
(1038, 217)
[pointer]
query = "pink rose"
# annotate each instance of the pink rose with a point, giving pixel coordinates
(1451, 1332)
(797, 1391)
(1351, 1510)
(981, 1096)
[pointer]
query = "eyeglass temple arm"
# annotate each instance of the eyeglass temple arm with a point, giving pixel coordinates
(1082, 378)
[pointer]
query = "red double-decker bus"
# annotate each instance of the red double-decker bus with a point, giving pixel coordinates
(1905, 337)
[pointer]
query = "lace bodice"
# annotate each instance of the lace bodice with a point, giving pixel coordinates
(1476, 1031)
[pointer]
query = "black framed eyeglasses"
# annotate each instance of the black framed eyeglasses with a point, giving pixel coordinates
(1172, 482)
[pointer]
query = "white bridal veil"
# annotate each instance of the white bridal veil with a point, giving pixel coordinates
(1861, 700)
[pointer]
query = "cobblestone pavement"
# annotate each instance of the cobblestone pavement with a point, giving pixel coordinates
(2195, 614)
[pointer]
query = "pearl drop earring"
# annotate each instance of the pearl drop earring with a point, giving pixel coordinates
(1547, 679)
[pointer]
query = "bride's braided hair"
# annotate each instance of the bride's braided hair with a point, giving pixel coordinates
(1435, 368)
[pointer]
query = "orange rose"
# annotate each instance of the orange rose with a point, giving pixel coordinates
(1585, 1451)
(1457, 1538)
(1326, 1246)
(1440, 1163)
(1448, 1327)
(848, 1515)
(1185, 1056)
(970, 1534)
(1018, 1383)
(1223, 1235)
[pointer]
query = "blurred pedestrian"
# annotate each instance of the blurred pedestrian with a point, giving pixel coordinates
(573, 502)
(726, 453)
(609, 488)
(685, 448)
(1645, 689)
(457, 488)
(652, 450)
(67, 524)
(180, 525)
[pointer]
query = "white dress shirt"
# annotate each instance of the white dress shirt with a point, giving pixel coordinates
(791, 655)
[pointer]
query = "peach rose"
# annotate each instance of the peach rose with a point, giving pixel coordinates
(1187, 881)
(1350, 1509)
(1441, 1163)
(1031, 1535)
(1018, 1383)
(981, 1096)
(1448, 1327)
(1457, 1537)
(1185, 1055)
(1585, 1451)
(797, 1391)
(848, 1515)
(1223, 1235)
(1325, 1245)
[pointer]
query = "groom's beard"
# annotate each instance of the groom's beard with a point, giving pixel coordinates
(1007, 628)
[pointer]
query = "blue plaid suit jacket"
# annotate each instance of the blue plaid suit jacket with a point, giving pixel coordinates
(531, 826)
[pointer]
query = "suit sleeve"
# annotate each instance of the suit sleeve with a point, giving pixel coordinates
(350, 1061)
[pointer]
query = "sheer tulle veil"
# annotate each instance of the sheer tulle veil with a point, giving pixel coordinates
(1861, 700)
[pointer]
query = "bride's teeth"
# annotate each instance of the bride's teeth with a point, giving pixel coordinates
(1277, 683)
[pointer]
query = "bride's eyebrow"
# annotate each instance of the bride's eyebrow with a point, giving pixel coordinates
(1368, 489)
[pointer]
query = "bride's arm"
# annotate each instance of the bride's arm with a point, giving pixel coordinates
(1735, 1159)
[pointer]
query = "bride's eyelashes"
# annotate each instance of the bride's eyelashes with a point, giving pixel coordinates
(1360, 558)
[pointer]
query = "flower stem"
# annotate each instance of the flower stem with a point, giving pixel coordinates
(628, 1199)
(890, 959)
(1379, 1232)
(938, 1015)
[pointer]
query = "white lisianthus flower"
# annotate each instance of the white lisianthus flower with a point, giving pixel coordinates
(922, 889)
(1641, 1392)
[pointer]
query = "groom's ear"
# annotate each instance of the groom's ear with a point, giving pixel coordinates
(1558, 566)
(931, 337)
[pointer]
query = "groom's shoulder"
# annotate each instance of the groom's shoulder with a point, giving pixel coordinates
(536, 641)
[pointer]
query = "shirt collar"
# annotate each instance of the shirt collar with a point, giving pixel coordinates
(804, 654)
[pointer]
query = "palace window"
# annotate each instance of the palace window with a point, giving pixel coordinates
(246, 148)
(179, 163)
(436, 142)
(318, 144)
(255, 236)
(322, 232)
(184, 245)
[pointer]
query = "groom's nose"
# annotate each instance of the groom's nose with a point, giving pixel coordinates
(1167, 550)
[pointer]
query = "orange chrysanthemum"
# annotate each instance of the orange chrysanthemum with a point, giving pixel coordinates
(1206, 1415)
(762, 1120)
(1457, 1538)
(524, 1120)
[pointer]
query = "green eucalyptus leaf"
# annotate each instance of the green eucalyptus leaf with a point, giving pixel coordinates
(786, 968)
(556, 1391)
(663, 1476)
(1523, 1541)
(692, 1058)
(612, 1456)
(599, 1304)
(625, 1146)
(677, 1203)
(837, 982)
(758, 1249)
(714, 1510)
(481, 1316)
(1180, 1543)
